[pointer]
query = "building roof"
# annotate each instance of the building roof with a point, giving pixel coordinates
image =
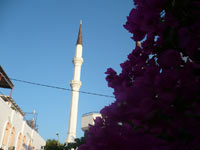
(4, 80)
(14, 105)
(79, 40)
(90, 113)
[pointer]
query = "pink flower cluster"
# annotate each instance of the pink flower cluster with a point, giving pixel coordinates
(157, 93)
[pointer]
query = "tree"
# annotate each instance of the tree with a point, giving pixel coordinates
(157, 104)
(76, 144)
(52, 144)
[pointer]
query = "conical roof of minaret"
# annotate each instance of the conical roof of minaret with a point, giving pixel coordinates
(79, 40)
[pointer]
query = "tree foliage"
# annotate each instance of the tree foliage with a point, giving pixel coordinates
(157, 104)
(76, 144)
(52, 144)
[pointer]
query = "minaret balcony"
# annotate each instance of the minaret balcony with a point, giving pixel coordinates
(75, 84)
(77, 61)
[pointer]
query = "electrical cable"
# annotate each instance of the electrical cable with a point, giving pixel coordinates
(60, 88)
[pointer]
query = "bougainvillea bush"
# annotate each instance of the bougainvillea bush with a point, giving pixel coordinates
(157, 104)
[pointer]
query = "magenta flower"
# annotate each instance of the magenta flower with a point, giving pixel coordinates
(157, 93)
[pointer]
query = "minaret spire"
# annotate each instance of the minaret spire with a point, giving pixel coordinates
(75, 86)
(79, 40)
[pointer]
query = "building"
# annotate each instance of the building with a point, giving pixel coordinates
(75, 86)
(16, 133)
(88, 119)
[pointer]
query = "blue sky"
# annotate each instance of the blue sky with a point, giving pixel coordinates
(37, 43)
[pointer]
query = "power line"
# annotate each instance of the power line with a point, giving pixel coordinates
(61, 88)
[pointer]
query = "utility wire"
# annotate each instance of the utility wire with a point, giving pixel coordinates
(60, 88)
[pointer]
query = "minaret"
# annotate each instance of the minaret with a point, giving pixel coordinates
(75, 86)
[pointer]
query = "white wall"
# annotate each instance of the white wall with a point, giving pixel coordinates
(38, 141)
(7, 114)
(88, 119)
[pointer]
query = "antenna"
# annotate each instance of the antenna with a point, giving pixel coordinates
(33, 122)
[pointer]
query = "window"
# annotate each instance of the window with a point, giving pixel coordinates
(12, 137)
(24, 143)
(6, 134)
(29, 145)
(19, 141)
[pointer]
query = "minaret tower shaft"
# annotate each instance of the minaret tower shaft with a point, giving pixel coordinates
(75, 86)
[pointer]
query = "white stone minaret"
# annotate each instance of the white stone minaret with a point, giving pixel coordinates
(75, 86)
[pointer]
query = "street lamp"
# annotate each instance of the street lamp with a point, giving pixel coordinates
(57, 137)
